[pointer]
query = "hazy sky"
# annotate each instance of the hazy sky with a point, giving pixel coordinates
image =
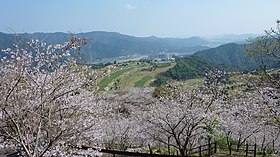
(163, 18)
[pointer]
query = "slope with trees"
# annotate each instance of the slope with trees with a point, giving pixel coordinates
(231, 54)
(190, 68)
(238, 54)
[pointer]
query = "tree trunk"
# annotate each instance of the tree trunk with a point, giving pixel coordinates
(182, 152)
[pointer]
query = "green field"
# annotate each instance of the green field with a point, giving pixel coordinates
(141, 83)
(132, 74)
(105, 82)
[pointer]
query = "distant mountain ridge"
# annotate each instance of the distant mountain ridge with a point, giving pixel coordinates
(111, 44)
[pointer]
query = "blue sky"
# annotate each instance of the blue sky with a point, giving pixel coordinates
(163, 18)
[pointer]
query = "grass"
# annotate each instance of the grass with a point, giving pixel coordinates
(105, 82)
(141, 83)
(139, 77)
(132, 74)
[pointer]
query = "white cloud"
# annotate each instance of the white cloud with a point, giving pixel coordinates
(129, 6)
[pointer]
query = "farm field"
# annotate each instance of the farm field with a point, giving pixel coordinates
(132, 74)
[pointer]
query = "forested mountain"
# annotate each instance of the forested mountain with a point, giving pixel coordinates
(231, 54)
(235, 55)
(110, 44)
(6, 40)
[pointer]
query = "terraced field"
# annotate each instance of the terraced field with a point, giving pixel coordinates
(141, 83)
(107, 80)
(133, 74)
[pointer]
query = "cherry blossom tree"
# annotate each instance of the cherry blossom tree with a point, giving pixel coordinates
(251, 114)
(184, 118)
(44, 97)
(122, 125)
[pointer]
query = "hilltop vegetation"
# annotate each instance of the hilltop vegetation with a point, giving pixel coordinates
(190, 68)
(193, 67)
(231, 54)
(235, 55)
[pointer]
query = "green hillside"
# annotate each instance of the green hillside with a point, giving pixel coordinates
(190, 68)
(132, 74)
(107, 80)
(231, 54)
(235, 55)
